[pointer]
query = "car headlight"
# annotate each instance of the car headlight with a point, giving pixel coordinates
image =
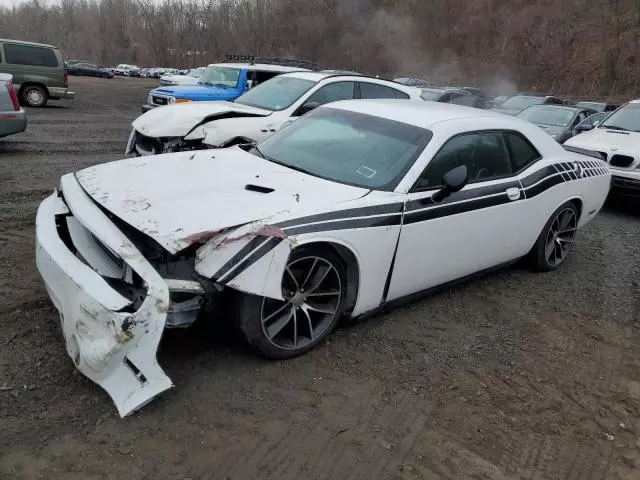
(171, 100)
(150, 99)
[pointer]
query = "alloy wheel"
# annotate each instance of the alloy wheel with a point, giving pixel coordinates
(312, 292)
(560, 237)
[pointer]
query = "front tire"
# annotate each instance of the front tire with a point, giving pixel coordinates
(314, 288)
(557, 237)
(34, 96)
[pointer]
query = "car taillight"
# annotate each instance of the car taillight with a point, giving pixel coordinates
(66, 79)
(13, 97)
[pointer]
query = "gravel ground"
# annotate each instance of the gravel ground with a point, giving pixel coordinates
(514, 376)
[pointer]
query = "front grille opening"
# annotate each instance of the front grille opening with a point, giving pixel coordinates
(621, 161)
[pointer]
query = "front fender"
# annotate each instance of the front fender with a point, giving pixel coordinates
(251, 259)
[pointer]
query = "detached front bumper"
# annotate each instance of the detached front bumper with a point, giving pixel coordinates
(110, 342)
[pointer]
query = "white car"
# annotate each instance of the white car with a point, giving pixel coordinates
(617, 138)
(190, 78)
(254, 115)
(352, 207)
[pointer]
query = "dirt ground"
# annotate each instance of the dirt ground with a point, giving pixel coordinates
(514, 376)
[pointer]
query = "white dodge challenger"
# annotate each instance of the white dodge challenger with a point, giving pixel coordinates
(354, 206)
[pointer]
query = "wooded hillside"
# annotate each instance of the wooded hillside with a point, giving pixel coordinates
(576, 47)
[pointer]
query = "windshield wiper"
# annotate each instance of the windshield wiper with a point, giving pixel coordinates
(615, 127)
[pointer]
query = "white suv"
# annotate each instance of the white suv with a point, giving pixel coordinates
(617, 139)
(255, 115)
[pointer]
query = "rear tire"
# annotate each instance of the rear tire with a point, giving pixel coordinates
(34, 96)
(556, 239)
(314, 287)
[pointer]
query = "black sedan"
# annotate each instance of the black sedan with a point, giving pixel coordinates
(558, 121)
(89, 70)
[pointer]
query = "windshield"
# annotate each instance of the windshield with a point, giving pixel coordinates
(348, 147)
(276, 93)
(595, 105)
(225, 77)
(196, 72)
(520, 102)
(430, 94)
(594, 119)
(557, 117)
(626, 118)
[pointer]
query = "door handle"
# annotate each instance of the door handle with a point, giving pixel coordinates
(513, 193)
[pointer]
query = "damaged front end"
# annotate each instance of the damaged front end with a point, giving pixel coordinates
(116, 289)
(143, 145)
(113, 303)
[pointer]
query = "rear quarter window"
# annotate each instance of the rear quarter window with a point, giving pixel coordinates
(29, 55)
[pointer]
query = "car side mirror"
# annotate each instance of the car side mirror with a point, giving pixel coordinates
(452, 181)
(584, 128)
(306, 107)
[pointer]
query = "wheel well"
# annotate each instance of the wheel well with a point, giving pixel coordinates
(33, 84)
(352, 267)
(578, 203)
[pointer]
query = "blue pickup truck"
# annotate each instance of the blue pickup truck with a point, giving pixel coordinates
(222, 81)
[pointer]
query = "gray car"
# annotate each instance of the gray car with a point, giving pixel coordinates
(13, 118)
(558, 121)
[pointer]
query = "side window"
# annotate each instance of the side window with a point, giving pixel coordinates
(521, 151)
(484, 154)
(259, 77)
(333, 92)
(373, 90)
(29, 55)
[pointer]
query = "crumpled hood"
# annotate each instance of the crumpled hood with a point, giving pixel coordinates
(177, 198)
(179, 119)
(603, 140)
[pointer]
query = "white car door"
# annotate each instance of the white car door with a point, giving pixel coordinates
(467, 232)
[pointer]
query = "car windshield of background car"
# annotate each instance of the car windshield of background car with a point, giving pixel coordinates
(556, 117)
(275, 94)
(521, 102)
(626, 118)
(430, 94)
(348, 147)
(224, 77)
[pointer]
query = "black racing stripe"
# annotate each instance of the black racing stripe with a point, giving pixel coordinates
(572, 175)
(387, 282)
(254, 257)
(455, 208)
(542, 186)
(347, 224)
(341, 214)
(463, 195)
(535, 177)
(233, 261)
